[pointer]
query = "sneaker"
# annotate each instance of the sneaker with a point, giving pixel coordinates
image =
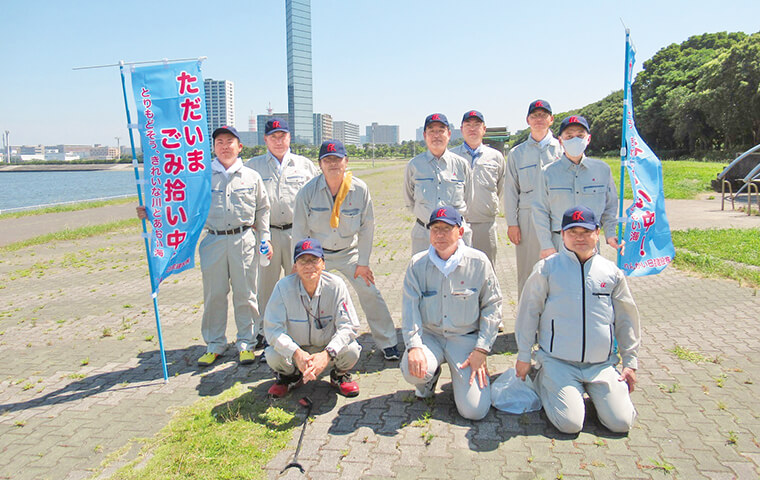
(285, 383)
(261, 342)
(427, 390)
(207, 359)
(247, 357)
(263, 356)
(501, 328)
(344, 383)
(391, 353)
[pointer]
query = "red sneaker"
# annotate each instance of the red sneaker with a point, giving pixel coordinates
(345, 385)
(283, 384)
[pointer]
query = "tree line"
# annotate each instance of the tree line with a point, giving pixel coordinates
(697, 98)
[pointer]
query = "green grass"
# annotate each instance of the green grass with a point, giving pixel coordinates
(75, 234)
(724, 253)
(232, 435)
(682, 179)
(73, 207)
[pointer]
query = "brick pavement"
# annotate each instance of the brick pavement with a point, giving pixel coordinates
(82, 376)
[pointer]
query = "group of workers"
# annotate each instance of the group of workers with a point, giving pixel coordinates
(576, 318)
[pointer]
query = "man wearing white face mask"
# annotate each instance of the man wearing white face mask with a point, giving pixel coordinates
(574, 179)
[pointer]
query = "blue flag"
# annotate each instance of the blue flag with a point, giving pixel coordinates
(649, 246)
(171, 118)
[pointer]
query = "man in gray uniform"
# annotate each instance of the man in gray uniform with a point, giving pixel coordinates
(239, 205)
(336, 209)
(451, 310)
(574, 179)
(310, 324)
(577, 304)
(488, 169)
(524, 165)
(436, 178)
(283, 173)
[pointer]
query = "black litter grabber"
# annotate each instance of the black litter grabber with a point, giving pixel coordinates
(305, 402)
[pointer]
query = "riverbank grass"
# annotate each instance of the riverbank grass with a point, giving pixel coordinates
(232, 435)
(726, 253)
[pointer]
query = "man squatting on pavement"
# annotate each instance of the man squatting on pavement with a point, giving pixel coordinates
(451, 310)
(488, 169)
(336, 209)
(574, 179)
(283, 174)
(228, 250)
(577, 319)
(310, 323)
(524, 165)
(435, 178)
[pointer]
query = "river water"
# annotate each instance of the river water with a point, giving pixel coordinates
(32, 189)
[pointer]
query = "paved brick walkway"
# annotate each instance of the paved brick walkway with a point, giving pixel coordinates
(81, 376)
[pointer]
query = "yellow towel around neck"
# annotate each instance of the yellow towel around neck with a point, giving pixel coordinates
(342, 192)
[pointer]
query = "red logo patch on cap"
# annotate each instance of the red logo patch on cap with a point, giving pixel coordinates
(276, 124)
(539, 103)
(306, 245)
(578, 215)
(435, 117)
(573, 119)
(331, 147)
(441, 212)
(473, 113)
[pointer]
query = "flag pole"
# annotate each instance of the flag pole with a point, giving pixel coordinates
(623, 149)
(153, 286)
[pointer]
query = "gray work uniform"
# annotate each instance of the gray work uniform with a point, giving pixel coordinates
(282, 183)
(524, 164)
(347, 246)
(488, 170)
(564, 185)
(431, 182)
(577, 311)
(238, 201)
(294, 320)
(448, 317)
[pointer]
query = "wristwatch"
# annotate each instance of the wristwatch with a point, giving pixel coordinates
(331, 353)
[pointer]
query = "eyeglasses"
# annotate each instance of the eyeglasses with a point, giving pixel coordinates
(308, 262)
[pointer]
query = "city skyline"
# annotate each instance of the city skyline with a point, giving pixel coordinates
(392, 63)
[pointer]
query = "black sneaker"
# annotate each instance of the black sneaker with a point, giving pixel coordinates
(391, 353)
(261, 342)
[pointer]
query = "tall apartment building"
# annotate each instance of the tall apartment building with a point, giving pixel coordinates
(323, 127)
(261, 122)
(346, 132)
(382, 134)
(300, 100)
(220, 104)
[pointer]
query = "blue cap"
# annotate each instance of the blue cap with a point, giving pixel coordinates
(579, 216)
(276, 125)
(536, 104)
(308, 246)
(573, 120)
(447, 214)
(332, 147)
(225, 129)
(436, 117)
(473, 114)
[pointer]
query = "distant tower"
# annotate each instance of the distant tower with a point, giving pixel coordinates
(220, 103)
(251, 122)
(300, 102)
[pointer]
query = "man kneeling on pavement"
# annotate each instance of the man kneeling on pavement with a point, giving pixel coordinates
(310, 324)
(578, 304)
(451, 312)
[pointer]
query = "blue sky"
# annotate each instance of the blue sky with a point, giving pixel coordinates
(393, 61)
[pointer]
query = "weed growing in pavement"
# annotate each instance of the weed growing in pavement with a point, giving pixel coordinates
(720, 380)
(686, 354)
(599, 442)
(732, 438)
(77, 376)
(664, 466)
(423, 421)
(19, 423)
(106, 332)
(85, 361)
(721, 406)
(669, 389)
(427, 437)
